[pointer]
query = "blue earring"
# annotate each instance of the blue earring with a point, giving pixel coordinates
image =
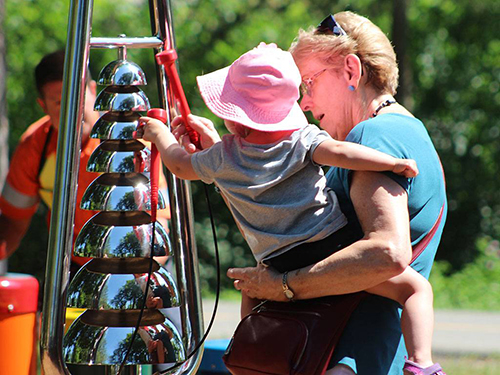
(351, 88)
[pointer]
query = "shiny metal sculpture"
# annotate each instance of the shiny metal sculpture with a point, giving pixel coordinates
(119, 158)
(115, 126)
(109, 344)
(122, 72)
(95, 290)
(113, 99)
(118, 235)
(114, 285)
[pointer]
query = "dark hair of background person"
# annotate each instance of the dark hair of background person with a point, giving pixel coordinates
(49, 69)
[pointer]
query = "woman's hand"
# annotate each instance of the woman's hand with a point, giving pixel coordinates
(258, 282)
(203, 126)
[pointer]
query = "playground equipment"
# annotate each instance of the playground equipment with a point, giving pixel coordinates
(124, 236)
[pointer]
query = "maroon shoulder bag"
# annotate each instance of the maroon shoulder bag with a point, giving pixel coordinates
(292, 338)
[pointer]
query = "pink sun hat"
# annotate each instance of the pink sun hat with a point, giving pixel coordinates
(259, 90)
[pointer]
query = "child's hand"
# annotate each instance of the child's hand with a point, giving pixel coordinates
(406, 167)
(150, 129)
(203, 126)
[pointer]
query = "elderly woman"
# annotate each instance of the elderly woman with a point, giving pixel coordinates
(350, 75)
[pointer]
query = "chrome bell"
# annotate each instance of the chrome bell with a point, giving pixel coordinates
(122, 291)
(103, 338)
(120, 192)
(121, 235)
(114, 285)
(121, 99)
(117, 125)
(120, 156)
(122, 73)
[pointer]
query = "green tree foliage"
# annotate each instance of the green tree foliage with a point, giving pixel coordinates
(4, 126)
(455, 290)
(456, 57)
(453, 57)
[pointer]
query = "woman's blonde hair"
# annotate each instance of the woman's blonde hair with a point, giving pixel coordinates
(363, 39)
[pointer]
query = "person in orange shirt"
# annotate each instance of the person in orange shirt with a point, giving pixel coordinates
(32, 168)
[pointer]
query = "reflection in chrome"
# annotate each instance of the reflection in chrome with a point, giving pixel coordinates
(120, 240)
(101, 337)
(101, 291)
(118, 125)
(104, 369)
(120, 192)
(108, 160)
(114, 99)
(93, 345)
(122, 73)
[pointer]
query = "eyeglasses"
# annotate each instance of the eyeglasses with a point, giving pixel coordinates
(329, 25)
(307, 84)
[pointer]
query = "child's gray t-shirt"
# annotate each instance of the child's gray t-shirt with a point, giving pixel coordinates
(276, 192)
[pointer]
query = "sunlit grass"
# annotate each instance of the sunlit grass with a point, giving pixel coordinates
(469, 364)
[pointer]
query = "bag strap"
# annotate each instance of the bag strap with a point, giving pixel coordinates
(420, 247)
(43, 157)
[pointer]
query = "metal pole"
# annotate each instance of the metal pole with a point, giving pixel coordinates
(137, 42)
(181, 210)
(68, 150)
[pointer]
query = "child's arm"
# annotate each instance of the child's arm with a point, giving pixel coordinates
(175, 158)
(358, 157)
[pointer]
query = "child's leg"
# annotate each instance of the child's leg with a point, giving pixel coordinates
(414, 293)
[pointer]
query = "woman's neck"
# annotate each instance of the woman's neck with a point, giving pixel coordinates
(373, 104)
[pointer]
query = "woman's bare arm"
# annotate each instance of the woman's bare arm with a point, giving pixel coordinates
(383, 252)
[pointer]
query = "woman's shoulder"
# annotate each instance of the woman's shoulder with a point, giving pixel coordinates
(390, 125)
(390, 120)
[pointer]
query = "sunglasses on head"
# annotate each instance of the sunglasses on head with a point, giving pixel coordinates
(329, 25)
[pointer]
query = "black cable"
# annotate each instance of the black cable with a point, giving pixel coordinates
(144, 300)
(217, 292)
(217, 289)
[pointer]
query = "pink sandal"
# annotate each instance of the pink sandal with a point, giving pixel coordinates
(415, 369)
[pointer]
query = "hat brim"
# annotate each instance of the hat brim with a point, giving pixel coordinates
(221, 98)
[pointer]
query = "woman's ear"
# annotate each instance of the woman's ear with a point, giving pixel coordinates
(352, 70)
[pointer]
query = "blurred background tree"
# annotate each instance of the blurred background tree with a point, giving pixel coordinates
(4, 125)
(449, 54)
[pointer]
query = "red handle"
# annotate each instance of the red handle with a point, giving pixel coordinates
(167, 59)
(161, 115)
